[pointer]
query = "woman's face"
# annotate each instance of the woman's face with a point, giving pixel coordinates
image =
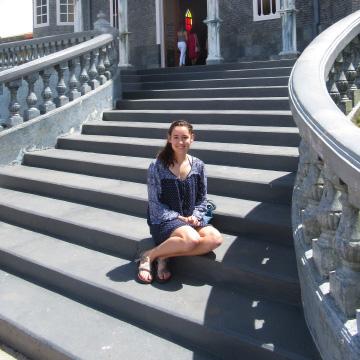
(180, 139)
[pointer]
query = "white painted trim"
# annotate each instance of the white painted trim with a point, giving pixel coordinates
(160, 36)
(58, 22)
(271, 16)
(34, 15)
(78, 16)
(111, 4)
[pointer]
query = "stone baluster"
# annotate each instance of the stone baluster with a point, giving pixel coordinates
(40, 50)
(47, 49)
(11, 58)
(47, 94)
(356, 43)
(107, 62)
(312, 192)
(61, 89)
(354, 92)
(2, 55)
(57, 46)
(74, 93)
(84, 77)
(343, 86)
(6, 57)
(14, 107)
(101, 66)
(345, 280)
(32, 111)
(94, 83)
(28, 53)
(302, 171)
(333, 91)
(328, 216)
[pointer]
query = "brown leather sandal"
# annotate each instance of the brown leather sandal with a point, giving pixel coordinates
(144, 265)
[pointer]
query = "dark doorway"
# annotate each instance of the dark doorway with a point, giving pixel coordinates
(174, 18)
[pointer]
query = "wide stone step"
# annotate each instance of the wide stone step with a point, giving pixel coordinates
(205, 83)
(219, 92)
(261, 135)
(222, 74)
(210, 317)
(232, 215)
(264, 103)
(222, 117)
(230, 154)
(43, 324)
(251, 184)
(217, 67)
(242, 262)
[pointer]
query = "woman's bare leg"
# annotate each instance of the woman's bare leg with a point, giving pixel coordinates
(184, 241)
(210, 239)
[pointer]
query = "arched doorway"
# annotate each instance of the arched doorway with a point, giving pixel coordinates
(174, 18)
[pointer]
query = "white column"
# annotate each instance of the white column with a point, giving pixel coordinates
(159, 4)
(288, 20)
(213, 22)
(124, 35)
(78, 25)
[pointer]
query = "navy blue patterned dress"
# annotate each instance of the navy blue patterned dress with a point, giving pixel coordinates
(170, 197)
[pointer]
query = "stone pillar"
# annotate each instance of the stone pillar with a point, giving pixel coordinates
(124, 35)
(288, 20)
(78, 25)
(213, 23)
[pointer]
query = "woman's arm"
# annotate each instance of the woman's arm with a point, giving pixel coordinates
(158, 211)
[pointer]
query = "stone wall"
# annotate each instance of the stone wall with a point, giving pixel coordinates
(242, 37)
(53, 28)
(142, 25)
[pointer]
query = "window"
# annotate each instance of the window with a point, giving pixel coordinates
(65, 12)
(266, 9)
(41, 13)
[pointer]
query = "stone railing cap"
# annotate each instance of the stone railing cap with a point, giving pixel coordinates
(55, 58)
(320, 121)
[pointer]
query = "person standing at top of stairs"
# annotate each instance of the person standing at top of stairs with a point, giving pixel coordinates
(182, 40)
(177, 189)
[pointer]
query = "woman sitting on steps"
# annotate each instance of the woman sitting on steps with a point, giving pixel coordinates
(177, 190)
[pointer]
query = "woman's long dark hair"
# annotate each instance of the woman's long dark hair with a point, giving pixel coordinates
(166, 155)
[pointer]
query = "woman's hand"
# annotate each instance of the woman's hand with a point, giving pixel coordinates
(191, 220)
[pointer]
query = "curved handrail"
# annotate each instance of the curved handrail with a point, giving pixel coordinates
(326, 197)
(56, 58)
(48, 39)
(320, 121)
(79, 69)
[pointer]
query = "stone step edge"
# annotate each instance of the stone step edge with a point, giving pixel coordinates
(27, 341)
(112, 301)
(143, 200)
(211, 169)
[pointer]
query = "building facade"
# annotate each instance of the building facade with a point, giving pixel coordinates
(247, 29)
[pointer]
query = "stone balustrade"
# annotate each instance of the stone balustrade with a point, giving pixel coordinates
(58, 78)
(20, 52)
(324, 97)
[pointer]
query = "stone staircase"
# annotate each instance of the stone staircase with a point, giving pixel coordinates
(73, 219)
